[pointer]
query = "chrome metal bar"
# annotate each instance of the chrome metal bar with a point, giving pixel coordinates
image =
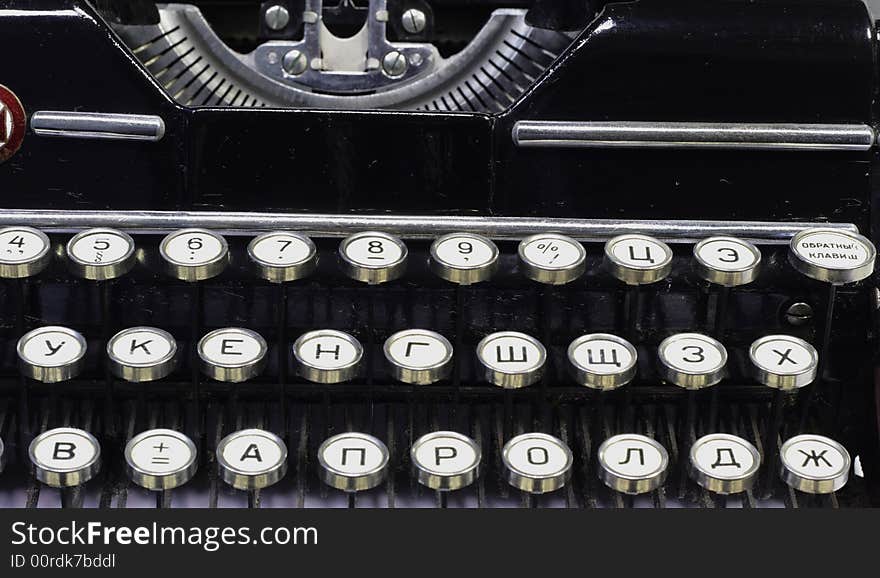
(694, 135)
(407, 226)
(98, 125)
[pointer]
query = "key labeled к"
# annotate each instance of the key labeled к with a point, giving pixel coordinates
(140, 354)
(65, 457)
(51, 354)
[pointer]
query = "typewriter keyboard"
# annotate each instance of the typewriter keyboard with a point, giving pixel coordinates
(193, 369)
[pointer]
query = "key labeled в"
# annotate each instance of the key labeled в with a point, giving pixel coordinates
(65, 457)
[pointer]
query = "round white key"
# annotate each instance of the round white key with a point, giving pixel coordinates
(418, 356)
(160, 459)
(511, 359)
(65, 457)
(552, 259)
(692, 360)
(51, 354)
(373, 257)
(445, 460)
(251, 459)
(194, 254)
(353, 461)
(328, 356)
(632, 463)
(464, 258)
(727, 261)
(783, 361)
(537, 463)
(602, 361)
(280, 256)
(141, 354)
(2, 456)
(638, 259)
(832, 255)
(232, 354)
(814, 464)
(724, 463)
(101, 254)
(24, 252)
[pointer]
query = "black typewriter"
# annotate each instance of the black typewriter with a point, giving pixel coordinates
(438, 253)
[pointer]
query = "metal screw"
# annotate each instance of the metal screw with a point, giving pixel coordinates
(394, 63)
(277, 17)
(295, 62)
(799, 314)
(414, 21)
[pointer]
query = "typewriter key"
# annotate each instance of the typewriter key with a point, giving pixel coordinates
(602, 361)
(142, 354)
(251, 459)
(724, 463)
(328, 356)
(160, 459)
(783, 362)
(692, 360)
(373, 257)
(101, 254)
(51, 354)
(632, 463)
(537, 463)
(552, 259)
(638, 259)
(464, 258)
(282, 256)
(418, 356)
(65, 457)
(353, 461)
(232, 354)
(445, 460)
(814, 464)
(832, 255)
(24, 252)
(2, 456)
(727, 261)
(194, 254)
(511, 360)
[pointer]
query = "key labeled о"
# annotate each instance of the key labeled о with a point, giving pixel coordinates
(353, 462)
(724, 463)
(602, 361)
(160, 459)
(783, 361)
(51, 354)
(101, 254)
(814, 464)
(281, 256)
(638, 259)
(727, 261)
(24, 252)
(65, 457)
(251, 459)
(194, 254)
(511, 359)
(692, 360)
(328, 356)
(373, 257)
(445, 460)
(464, 258)
(632, 463)
(232, 354)
(832, 255)
(140, 354)
(537, 463)
(418, 356)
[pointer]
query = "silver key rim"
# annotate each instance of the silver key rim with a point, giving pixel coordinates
(242, 479)
(64, 477)
(510, 378)
(373, 274)
(322, 374)
(53, 372)
(463, 274)
(419, 374)
(715, 481)
(723, 274)
(2, 456)
(348, 481)
(34, 264)
(797, 478)
(633, 273)
(138, 372)
(197, 271)
(233, 372)
(832, 271)
(533, 482)
(686, 377)
(589, 376)
(289, 271)
(783, 378)
(106, 269)
(165, 480)
(548, 273)
(446, 480)
(632, 483)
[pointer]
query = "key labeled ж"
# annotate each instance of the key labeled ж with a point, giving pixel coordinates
(353, 462)
(832, 255)
(727, 261)
(24, 252)
(280, 256)
(632, 463)
(464, 258)
(160, 459)
(783, 361)
(65, 457)
(638, 259)
(251, 459)
(101, 254)
(511, 359)
(602, 361)
(692, 360)
(328, 356)
(418, 356)
(373, 257)
(552, 259)
(814, 464)
(194, 254)
(724, 463)
(232, 354)
(445, 460)
(537, 463)
(51, 354)
(140, 354)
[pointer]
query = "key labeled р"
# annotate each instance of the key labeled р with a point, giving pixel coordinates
(160, 459)
(602, 361)
(814, 464)
(51, 354)
(511, 359)
(353, 462)
(464, 258)
(692, 360)
(280, 256)
(232, 354)
(832, 255)
(373, 257)
(783, 361)
(724, 463)
(251, 459)
(101, 254)
(638, 259)
(24, 252)
(632, 463)
(727, 261)
(65, 457)
(328, 356)
(445, 460)
(140, 354)
(552, 259)
(194, 254)
(537, 463)
(418, 356)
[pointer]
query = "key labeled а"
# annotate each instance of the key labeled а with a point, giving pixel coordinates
(511, 359)
(445, 460)
(51, 354)
(251, 459)
(140, 354)
(328, 356)
(814, 464)
(783, 361)
(724, 463)
(353, 461)
(65, 457)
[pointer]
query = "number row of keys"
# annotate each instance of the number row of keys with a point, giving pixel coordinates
(509, 359)
(537, 463)
(832, 255)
